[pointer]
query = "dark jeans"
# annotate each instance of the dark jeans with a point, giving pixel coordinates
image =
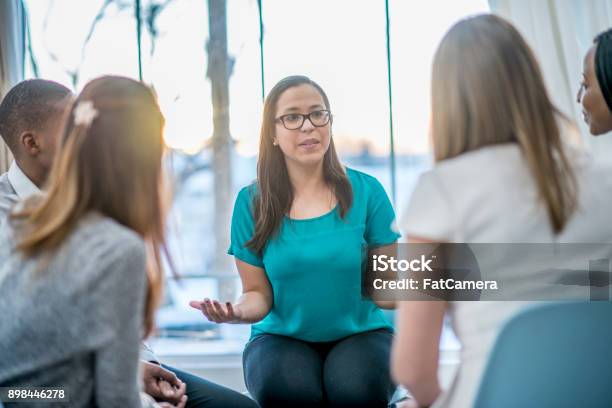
(282, 371)
(202, 393)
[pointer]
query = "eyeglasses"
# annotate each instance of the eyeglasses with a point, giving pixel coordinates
(293, 121)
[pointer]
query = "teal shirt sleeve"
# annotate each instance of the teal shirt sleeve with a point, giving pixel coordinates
(380, 220)
(243, 226)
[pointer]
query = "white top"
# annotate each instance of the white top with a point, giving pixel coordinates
(15, 186)
(489, 196)
(23, 186)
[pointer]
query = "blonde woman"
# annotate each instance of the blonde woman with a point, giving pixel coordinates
(80, 268)
(503, 173)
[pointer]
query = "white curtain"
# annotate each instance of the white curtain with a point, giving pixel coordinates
(560, 33)
(12, 54)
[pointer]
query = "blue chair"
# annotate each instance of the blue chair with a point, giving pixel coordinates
(558, 355)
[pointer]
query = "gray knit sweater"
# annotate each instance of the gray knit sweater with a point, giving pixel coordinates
(76, 323)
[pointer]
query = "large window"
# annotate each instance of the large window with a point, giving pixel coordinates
(415, 32)
(341, 44)
(72, 50)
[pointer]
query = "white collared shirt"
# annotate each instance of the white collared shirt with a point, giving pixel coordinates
(23, 186)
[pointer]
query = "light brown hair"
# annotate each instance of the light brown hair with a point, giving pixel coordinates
(275, 192)
(111, 166)
(487, 89)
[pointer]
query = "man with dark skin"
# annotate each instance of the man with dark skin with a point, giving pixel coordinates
(30, 120)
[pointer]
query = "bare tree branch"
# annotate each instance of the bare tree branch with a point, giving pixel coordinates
(153, 11)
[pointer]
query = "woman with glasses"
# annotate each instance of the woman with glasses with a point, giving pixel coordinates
(595, 91)
(297, 237)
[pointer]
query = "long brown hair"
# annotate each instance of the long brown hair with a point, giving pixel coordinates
(112, 166)
(275, 192)
(487, 89)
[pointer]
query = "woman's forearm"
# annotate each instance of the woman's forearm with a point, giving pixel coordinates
(253, 306)
(424, 392)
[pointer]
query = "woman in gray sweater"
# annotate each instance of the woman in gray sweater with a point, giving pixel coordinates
(80, 269)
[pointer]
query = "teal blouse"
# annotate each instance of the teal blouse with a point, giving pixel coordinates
(314, 265)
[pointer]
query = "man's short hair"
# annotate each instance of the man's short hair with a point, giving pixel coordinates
(28, 106)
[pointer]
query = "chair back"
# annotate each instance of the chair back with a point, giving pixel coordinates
(557, 355)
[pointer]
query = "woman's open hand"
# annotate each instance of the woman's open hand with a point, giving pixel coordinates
(218, 312)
